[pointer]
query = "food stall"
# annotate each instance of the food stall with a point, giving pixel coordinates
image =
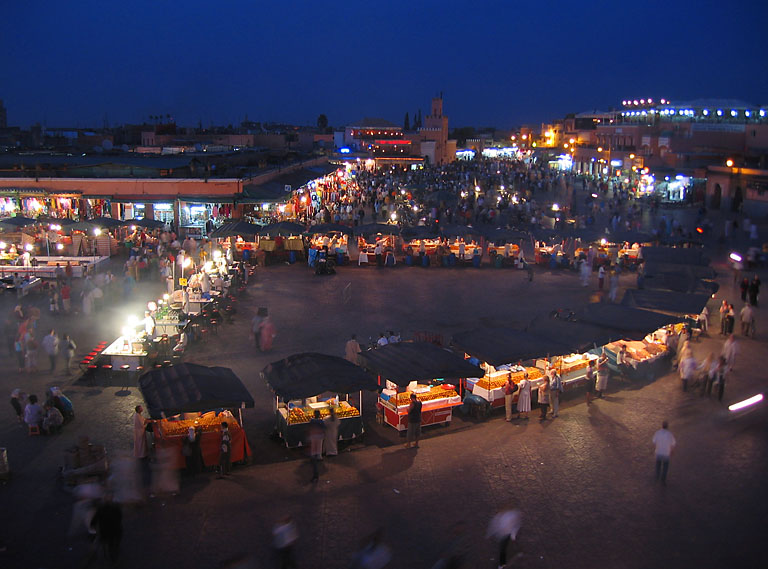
(333, 236)
(648, 349)
(371, 234)
(496, 350)
(238, 235)
(421, 368)
(189, 395)
(309, 382)
(283, 237)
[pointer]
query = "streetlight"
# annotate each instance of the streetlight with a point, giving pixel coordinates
(729, 163)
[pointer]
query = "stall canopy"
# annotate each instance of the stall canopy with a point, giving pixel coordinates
(680, 278)
(63, 221)
(498, 346)
(18, 221)
(665, 301)
(499, 234)
(631, 237)
(235, 228)
(451, 230)
(146, 223)
(578, 336)
(374, 228)
(284, 228)
(405, 362)
(632, 322)
(190, 388)
(675, 255)
(309, 374)
(418, 232)
(321, 228)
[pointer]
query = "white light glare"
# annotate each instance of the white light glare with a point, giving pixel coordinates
(746, 403)
(735, 257)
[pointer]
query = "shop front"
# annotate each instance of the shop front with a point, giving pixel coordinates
(198, 217)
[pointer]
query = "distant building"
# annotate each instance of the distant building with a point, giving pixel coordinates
(3, 115)
(434, 136)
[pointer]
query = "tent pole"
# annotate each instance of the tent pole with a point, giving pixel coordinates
(240, 413)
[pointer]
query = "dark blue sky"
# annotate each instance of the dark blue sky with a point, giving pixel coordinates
(498, 63)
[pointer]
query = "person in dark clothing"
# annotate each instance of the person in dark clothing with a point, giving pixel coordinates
(754, 290)
(108, 523)
(414, 422)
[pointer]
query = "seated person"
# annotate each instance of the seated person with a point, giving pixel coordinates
(57, 399)
(52, 420)
(33, 413)
(181, 345)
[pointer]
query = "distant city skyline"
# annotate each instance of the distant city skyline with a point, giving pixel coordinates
(497, 63)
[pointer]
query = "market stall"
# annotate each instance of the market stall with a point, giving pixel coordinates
(190, 395)
(421, 368)
(372, 234)
(500, 353)
(309, 382)
(331, 236)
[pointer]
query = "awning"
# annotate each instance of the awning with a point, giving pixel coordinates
(235, 228)
(376, 228)
(498, 346)
(284, 228)
(633, 322)
(665, 301)
(418, 232)
(578, 336)
(190, 388)
(322, 228)
(675, 255)
(309, 374)
(405, 362)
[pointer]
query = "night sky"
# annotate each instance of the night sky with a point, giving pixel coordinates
(499, 63)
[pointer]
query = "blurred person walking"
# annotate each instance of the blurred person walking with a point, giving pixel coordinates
(664, 442)
(332, 423)
(69, 353)
(374, 554)
(50, 344)
(225, 456)
(555, 389)
(284, 538)
(504, 528)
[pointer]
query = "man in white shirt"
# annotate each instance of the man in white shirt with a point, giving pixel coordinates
(382, 341)
(665, 444)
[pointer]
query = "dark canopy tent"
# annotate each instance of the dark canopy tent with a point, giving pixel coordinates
(500, 234)
(498, 346)
(235, 228)
(146, 223)
(45, 220)
(577, 336)
(284, 228)
(665, 301)
(404, 362)
(18, 222)
(632, 322)
(418, 232)
(450, 230)
(675, 255)
(309, 374)
(321, 228)
(189, 388)
(374, 228)
(680, 278)
(631, 237)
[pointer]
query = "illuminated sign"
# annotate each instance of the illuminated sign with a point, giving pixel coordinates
(393, 141)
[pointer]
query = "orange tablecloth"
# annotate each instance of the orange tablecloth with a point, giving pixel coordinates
(210, 443)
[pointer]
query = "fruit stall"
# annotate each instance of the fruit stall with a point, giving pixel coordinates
(494, 350)
(421, 368)
(189, 395)
(310, 382)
